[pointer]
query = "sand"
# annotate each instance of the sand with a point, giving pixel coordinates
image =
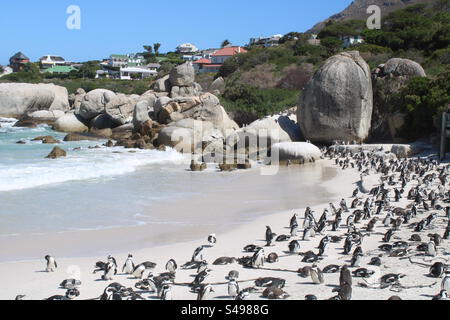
(28, 277)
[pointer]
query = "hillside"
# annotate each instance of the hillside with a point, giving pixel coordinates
(357, 10)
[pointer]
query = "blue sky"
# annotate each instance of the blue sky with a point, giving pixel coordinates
(39, 27)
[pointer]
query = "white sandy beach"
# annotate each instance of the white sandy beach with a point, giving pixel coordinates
(29, 279)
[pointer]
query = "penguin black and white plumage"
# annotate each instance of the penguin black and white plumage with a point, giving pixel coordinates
(345, 276)
(258, 259)
(70, 295)
(431, 249)
(282, 238)
(274, 293)
(272, 258)
(293, 221)
(51, 264)
(243, 295)
(198, 254)
(316, 275)
(437, 270)
(70, 284)
(201, 277)
(233, 275)
(332, 269)
(128, 267)
(294, 230)
(166, 292)
(212, 239)
(171, 266)
(441, 296)
(233, 289)
(205, 293)
(111, 270)
(388, 235)
(139, 270)
(270, 282)
(270, 236)
(363, 273)
(445, 285)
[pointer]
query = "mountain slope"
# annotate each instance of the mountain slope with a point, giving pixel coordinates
(357, 10)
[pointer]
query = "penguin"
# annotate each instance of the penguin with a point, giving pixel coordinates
(363, 273)
(251, 248)
(258, 259)
(201, 277)
(274, 293)
(212, 239)
(205, 293)
(445, 285)
(431, 249)
(387, 237)
(243, 295)
(139, 270)
(233, 275)
(345, 276)
(356, 260)
(310, 297)
(441, 296)
(70, 284)
(111, 270)
(350, 220)
(233, 289)
(270, 236)
(51, 264)
(306, 234)
(273, 258)
(345, 292)
(171, 266)
(198, 254)
(343, 205)
(316, 275)
(166, 292)
(294, 230)
(331, 269)
(294, 247)
(437, 270)
(128, 267)
(293, 221)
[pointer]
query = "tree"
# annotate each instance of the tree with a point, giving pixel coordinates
(89, 69)
(332, 45)
(1, 69)
(225, 43)
(156, 47)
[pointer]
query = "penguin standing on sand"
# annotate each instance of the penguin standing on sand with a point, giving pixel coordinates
(51, 264)
(233, 289)
(171, 266)
(205, 293)
(166, 292)
(110, 271)
(128, 267)
(258, 259)
(198, 254)
(270, 236)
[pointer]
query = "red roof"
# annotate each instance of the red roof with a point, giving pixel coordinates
(212, 65)
(229, 51)
(203, 61)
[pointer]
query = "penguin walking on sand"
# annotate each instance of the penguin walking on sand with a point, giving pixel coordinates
(198, 254)
(171, 266)
(233, 289)
(166, 292)
(51, 264)
(110, 271)
(205, 293)
(258, 259)
(128, 267)
(270, 236)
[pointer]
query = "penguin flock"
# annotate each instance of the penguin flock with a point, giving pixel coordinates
(406, 214)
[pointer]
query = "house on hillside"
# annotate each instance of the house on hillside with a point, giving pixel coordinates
(118, 60)
(266, 42)
(218, 58)
(49, 61)
(351, 40)
(187, 48)
(136, 73)
(18, 61)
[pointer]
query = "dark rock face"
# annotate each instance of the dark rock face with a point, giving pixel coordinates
(81, 137)
(337, 103)
(388, 79)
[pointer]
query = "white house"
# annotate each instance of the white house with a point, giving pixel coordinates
(351, 40)
(187, 48)
(267, 42)
(135, 73)
(49, 61)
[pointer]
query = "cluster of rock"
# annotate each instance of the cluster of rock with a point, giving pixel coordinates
(345, 101)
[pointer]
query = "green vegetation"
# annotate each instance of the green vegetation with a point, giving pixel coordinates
(118, 86)
(423, 101)
(30, 74)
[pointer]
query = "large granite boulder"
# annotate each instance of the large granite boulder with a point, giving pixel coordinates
(182, 75)
(337, 103)
(178, 92)
(271, 130)
(17, 99)
(94, 103)
(121, 108)
(388, 79)
(163, 84)
(140, 114)
(296, 152)
(46, 115)
(70, 123)
(76, 99)
(217, 86)
(56, 153)
(187, 135)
